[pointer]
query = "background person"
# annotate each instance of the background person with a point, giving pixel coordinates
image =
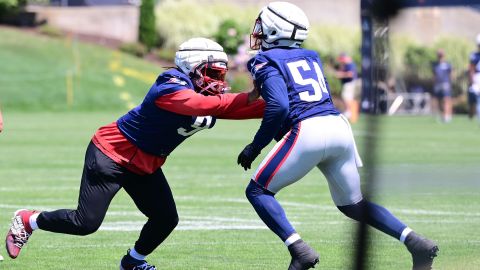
(130, 152)
(347, 73)
(474, 78)
(442, 87)
(1, 121)
(311, 133)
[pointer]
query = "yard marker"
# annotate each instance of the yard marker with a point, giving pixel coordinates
(69, 84)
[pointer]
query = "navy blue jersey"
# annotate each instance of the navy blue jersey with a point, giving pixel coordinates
(475, 61)
(292, 83)
(442, 71)
(157, 131)
(349, 67)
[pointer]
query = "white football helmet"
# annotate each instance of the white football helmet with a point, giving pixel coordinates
(478, 39)
(279, 24)
(205, 62)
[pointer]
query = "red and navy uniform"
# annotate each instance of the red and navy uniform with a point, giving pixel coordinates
(129, 154)
(170, 113)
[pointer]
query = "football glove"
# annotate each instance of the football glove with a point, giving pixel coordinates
(247, 156)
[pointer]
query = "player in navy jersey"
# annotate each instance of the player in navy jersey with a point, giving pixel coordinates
(442, 87)
(311, 133)
(130, 152)
(474, 78)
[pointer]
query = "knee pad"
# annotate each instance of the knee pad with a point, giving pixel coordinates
(354, 211)
(254, 190)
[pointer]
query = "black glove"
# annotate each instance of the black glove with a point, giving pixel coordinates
(247, 156)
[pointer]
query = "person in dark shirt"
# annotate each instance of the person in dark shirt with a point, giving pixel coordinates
(129, 153)
(442, 87)
(310, 133)
(347, 73)
(1, 121)
(474, 79)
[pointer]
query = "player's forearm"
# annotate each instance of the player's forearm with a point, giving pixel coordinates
(188, 102)
(253, 110)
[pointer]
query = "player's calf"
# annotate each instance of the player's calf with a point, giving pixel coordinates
(423, 251)
(19, 232)
(303, 256)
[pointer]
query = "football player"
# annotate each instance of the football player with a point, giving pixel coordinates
(311, 133)
(474, 78)
(442, 87)
(130, 152)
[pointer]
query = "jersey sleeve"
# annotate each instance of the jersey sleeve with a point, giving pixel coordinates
(253, 110)
(274, 92)
(188, 102)
(261, 69)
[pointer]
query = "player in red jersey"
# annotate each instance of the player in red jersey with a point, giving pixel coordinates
(130, 152)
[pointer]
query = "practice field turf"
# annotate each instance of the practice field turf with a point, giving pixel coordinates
(429, 177)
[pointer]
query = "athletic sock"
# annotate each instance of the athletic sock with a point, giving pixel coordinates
(404, 234)
(32, 220)
(134, 254)
(291, 239)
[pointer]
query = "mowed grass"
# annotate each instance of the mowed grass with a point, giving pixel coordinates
(43, 73)
(428, 176)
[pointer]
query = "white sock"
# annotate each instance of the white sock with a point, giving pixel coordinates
(405, 233)
(292, 238)
(33, 221)
(136, 255)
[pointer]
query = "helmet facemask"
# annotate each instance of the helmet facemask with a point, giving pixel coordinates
(257, 35)
(209, 78)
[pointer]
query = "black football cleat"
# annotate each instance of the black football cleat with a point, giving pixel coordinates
(423, 251)
(130, 263)
(303, 256)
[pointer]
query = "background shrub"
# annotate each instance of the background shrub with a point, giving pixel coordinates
(147, 33)
(230, 35)
(199, 21)
(135, 48)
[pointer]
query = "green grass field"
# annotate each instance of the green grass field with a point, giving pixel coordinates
(42, 73)
(429, 177)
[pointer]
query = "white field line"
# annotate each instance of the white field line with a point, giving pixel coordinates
(331, 208)
(205, 223)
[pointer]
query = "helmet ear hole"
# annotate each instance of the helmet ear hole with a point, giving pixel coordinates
(274, 32)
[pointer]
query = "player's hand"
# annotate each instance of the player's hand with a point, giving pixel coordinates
(247, 156)
(254, 94)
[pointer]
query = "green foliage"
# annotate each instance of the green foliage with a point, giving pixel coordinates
(9, 8)
(418, 61)
(166, 54)
(147, 33)
(239, 81)
(51, 31)
(230, 35)
(329, 41)
(137, 49)
(179, 20)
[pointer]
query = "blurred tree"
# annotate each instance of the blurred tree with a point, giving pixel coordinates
(230, 35)
(9, 8)
(418, 66)
(146, 32)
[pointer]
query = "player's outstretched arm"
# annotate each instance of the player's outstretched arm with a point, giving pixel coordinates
(229, 106)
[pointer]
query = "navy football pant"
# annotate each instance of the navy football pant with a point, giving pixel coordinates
(102, 178)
